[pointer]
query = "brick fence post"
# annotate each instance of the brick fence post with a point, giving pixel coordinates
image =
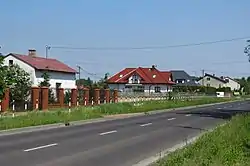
(107, 95)
(35, 98)
(73, 97)
(45, 98)
(86, 96)
(61, 97)
(5, 101)
(97, 97)
(115, 96)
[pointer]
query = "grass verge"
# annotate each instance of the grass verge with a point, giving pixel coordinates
(228, 145)
(83, 113)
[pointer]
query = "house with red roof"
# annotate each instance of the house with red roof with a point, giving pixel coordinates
(140, 79)
(61, 75)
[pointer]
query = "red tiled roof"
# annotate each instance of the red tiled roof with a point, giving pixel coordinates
(40, 63)
(167, 75)
(148, 75)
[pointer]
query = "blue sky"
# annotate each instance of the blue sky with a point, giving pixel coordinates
(131, 23)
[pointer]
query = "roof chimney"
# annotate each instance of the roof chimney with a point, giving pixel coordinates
(32, 53)
(153, 66)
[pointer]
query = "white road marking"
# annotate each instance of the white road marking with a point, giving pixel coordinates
(40, 147)
(147, 124)
(172, 119)
(219, 108)
(109, 132)
(188, 115)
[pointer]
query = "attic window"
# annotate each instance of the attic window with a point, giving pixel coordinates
(10, 62)
(154, 76)
(121, 76)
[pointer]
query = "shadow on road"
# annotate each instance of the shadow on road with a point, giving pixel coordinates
(217, 113)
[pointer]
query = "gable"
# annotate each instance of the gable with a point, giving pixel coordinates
(147, 76)
(40, 63)
(17, 61)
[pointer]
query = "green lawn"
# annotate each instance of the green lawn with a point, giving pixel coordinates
(225, 146)
(83, 113)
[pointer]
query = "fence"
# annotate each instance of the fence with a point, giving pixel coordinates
(143, 96)
(44, 98)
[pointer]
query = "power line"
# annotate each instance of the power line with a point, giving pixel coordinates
(151, 47)
(89, 73)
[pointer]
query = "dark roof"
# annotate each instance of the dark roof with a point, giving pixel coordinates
(148, 75)
(40, 63)
(214, 77)
(182, 75)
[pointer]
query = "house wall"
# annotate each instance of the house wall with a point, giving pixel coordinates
(212, 82)
(67, 80)
(23, 65)
(233, 85)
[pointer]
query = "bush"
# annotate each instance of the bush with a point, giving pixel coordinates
(226, 146)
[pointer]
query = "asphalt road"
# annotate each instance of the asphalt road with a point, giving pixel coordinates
(113, 143)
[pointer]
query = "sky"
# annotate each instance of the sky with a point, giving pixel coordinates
(34, 24)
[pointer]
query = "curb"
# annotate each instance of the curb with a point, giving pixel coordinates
(97, 120)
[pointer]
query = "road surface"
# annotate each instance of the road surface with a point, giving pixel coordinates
(112, 143)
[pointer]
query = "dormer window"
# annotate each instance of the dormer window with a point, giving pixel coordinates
(121, 76)
(154, 76)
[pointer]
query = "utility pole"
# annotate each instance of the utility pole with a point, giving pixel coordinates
(47, 48)
(79, 75)
(203, 74)
(247, 50)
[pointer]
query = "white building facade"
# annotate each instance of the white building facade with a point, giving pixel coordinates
(58, 79)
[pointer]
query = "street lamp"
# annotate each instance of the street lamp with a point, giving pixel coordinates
(47, 48)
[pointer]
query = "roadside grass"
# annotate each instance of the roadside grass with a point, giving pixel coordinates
(36, 118)
(228, 145)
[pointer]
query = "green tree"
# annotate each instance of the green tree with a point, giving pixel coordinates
(46, 79)
(102, 83)
(3, 84)
(45, 83)
(19, 82)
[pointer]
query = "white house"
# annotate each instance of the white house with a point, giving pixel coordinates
(219, 82)
(232, 83)
(141, 80)
(61, 75)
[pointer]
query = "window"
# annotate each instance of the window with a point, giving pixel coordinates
(183, 81)
(58, 85)
(10, 62)
(219, 85)
(157, 89)
(208, 78)
(208, 85)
